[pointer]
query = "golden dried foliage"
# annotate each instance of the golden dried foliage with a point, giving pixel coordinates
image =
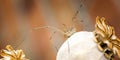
(11, 54)
(106, 39)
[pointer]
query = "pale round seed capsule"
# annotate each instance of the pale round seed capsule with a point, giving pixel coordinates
(80, 46)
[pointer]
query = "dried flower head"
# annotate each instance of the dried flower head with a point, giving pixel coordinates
(106, 39)
(11, 54)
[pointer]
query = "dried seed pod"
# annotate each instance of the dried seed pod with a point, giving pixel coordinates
(11, 54)
(106, 39)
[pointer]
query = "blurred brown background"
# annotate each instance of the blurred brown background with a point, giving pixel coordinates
(18, 18)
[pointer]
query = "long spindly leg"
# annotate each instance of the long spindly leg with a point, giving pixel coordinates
(49, 27)
(54, 30)
(51, 38)
(24, 38)
(67, 32)
(68, 46)
(52, 35)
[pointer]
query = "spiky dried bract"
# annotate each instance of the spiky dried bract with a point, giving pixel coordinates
(106, 39)
(11, 54)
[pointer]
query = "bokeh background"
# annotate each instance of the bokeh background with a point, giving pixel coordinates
(19, 18)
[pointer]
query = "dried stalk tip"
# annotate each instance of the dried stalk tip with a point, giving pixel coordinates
(106, 39)
(11, 54)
